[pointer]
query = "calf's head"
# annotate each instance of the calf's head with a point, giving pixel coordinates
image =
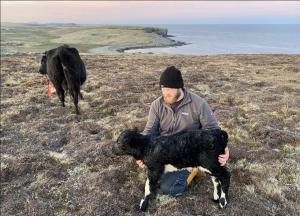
(127, 143)
(221, 140)
(214, 140)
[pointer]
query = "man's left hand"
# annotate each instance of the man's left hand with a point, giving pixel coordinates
(224, 157)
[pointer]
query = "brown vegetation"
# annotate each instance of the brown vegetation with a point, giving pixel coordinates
(52, 165)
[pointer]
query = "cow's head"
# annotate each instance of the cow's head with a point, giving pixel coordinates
(43, 67)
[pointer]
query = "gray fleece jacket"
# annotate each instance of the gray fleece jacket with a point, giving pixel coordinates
(192, 113)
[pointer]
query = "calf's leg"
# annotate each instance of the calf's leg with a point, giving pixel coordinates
(144, 202)
(217, 188)
(151, 186)
(224, 180)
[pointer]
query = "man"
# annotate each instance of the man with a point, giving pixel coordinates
(175, 111)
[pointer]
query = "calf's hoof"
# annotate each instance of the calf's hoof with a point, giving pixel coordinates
(144, 204)
(77, 118)
(222, 202)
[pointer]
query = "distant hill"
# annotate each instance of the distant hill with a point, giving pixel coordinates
(36, 38)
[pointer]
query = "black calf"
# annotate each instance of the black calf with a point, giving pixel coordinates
(199, 149)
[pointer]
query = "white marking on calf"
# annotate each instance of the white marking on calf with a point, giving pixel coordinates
(147, 191)
(141, 203)
(147, 188)
(204, 170)
(215, 183)
(64, 67)
(169, 168)
(223, 196)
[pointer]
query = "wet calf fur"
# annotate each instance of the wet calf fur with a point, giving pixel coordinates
(198, 149)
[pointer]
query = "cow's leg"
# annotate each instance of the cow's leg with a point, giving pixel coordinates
(65, 86)
(60, 92)
(73, 86)
(151, 186)
(74, 96)
(75, 100)
(81, 96)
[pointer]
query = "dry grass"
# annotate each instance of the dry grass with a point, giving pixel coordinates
(52, 165)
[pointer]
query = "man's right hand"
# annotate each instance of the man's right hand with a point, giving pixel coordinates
(140, 163)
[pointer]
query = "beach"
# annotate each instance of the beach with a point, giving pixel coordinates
(53, 165)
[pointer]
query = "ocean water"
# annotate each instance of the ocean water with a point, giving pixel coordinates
(231, 39)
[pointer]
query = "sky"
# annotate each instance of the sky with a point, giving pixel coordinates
(152, 12)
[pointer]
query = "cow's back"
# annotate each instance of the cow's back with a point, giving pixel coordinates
(71, 59)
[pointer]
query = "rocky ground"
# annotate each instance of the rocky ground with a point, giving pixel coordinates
(53, 165)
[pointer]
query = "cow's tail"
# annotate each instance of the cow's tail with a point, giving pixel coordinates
(72, 78)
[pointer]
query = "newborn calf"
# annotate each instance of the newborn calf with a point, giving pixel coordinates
(199, 149)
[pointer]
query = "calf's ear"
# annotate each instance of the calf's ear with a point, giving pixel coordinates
(210, 145)
(224, 136)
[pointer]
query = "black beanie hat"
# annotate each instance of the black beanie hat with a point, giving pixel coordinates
(171, 78)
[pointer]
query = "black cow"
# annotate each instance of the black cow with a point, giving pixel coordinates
(66, 71)
(199, 149)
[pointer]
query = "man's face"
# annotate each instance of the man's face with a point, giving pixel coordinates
(170, 95)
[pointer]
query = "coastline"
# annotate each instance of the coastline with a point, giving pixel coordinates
(161, 40)
(175, 44)
(37, 38)
(91, 39)
(172, 43)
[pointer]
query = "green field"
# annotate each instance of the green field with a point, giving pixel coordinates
(33, 38)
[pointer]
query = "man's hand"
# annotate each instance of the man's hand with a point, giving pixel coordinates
(224, 157)
(140, 163)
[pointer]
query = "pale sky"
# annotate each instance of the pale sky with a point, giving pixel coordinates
(152, 12)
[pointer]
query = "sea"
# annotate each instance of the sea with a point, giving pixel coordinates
(231, 39)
